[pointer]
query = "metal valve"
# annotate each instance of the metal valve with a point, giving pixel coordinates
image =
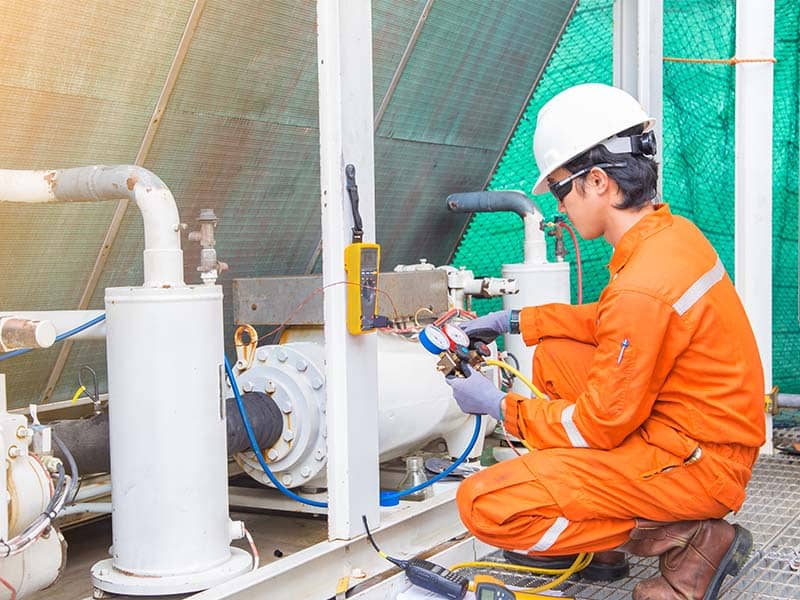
(209, 267)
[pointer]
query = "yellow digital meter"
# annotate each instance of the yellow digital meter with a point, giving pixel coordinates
(361, 264)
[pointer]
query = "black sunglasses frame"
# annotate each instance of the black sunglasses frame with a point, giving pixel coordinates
(560, 189)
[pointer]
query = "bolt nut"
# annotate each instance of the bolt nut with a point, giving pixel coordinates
(262, 354)
(316, 383)
(301, 365)
(248, 386)
(288, 435)
(286, 479)
(24, 432)
(319, 454)
(14, 452)
(270, 386)
(272, 454)
(305, 472)
(281, 354)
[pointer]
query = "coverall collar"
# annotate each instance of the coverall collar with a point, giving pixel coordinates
(660, 218)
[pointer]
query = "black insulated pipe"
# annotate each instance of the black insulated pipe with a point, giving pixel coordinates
(505, 201)
(87, 439)
(266, 420)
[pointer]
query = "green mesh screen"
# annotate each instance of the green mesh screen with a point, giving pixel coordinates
(698, 167)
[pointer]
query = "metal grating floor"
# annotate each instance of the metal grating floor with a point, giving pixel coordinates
(771, 513)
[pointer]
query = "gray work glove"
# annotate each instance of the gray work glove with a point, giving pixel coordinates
(476, 395)
(488, 327)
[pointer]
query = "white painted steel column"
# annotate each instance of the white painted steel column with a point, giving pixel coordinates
(346, 137)
(639, 56)
(755, 26)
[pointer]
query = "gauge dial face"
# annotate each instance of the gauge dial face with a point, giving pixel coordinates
(434, 339)
(457, 334)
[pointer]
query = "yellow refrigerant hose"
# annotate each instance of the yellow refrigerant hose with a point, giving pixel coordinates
(581, 561)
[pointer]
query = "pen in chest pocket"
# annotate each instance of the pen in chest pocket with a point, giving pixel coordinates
(625, 343)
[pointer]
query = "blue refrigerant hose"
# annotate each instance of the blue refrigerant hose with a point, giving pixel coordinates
(387, 498)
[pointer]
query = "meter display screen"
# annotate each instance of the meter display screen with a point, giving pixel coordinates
(369, 260)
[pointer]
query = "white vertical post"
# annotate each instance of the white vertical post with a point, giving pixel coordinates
(346, 137)
(755, 26)
(639, 54)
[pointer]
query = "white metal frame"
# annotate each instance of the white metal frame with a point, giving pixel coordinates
(755, 27)
(346, 137)
(639, 55)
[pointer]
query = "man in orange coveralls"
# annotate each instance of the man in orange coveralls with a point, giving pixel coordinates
(656, 390)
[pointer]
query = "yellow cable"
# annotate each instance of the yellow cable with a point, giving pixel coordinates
(581, 562)
(77, 394)
(526, 381)
(518, 375)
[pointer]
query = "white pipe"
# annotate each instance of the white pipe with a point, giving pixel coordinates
(65, 320)
(92, 491)
(20, 332)
(163, 259)
(86, 507)
(753, 175)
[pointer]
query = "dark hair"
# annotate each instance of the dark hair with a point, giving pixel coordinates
(637, 180)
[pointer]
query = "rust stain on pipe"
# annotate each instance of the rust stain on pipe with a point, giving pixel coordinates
(131, 182)
(52, 180)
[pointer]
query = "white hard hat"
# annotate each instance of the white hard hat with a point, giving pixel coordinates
(579, 118)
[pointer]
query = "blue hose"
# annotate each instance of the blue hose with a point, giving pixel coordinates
(386, 498)
(254, 445)
(63, 336)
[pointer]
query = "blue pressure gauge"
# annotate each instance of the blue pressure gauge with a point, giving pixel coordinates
(434, 339)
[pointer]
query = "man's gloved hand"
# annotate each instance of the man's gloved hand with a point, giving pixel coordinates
(488, 327)
(475, 394)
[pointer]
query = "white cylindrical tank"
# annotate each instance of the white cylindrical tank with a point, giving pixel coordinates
(538, 284)
(167, 440)
(415, 405)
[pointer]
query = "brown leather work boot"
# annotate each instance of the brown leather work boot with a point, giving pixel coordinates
(695, 557)
(605, 566)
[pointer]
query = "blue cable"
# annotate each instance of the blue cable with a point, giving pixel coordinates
(60, 337)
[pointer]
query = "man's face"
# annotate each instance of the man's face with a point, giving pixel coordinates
(582, 205)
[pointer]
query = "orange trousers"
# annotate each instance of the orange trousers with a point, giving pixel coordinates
(567, 500)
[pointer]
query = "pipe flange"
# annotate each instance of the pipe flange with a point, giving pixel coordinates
(291, 374)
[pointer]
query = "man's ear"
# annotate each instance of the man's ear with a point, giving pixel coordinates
(600, 180)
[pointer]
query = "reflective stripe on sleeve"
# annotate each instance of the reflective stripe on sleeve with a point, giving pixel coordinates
(575, 437)
(550, 536)
(699, 288)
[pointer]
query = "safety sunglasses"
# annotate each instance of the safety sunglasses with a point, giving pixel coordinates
(560, 189)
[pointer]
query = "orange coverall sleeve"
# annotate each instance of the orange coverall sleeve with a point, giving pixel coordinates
(573, 321)
(638, 338)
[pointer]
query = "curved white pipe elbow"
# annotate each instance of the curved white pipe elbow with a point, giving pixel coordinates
(163, 258)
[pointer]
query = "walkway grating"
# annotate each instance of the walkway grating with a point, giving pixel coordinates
(771, 513)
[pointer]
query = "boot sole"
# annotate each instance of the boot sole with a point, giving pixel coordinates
(593, 572)
(732, 562)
